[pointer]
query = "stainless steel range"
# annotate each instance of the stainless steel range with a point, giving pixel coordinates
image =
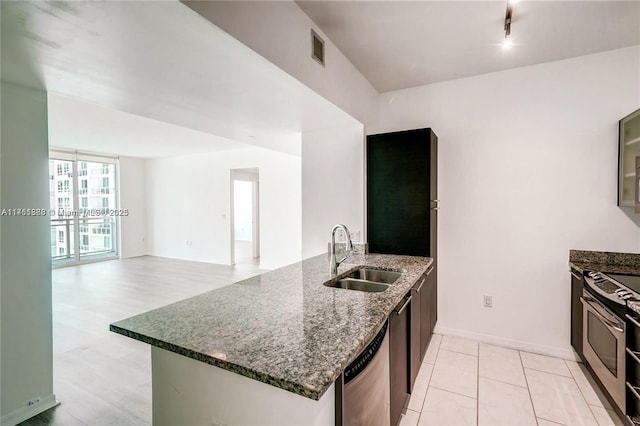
(609, 302)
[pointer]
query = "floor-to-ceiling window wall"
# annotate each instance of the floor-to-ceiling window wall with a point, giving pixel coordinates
(83, 207)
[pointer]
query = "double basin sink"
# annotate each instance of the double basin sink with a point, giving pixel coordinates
(366, 279)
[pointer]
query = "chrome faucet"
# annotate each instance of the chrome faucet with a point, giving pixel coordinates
(333, 264)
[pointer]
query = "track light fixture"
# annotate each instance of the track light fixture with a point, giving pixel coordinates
(507, 20)
(507, 23)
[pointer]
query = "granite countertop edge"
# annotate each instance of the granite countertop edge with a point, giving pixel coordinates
(229, 366)
(607, 262)
(303, 389)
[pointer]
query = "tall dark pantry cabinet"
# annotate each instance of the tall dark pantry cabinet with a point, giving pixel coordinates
(402, 218)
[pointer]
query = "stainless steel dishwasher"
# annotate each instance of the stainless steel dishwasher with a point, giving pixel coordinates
(366, 385)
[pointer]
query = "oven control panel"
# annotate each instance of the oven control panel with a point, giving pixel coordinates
(609, 288)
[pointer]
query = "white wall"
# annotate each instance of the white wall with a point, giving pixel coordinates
(132, 180)
(281, 32)
(190, 392)
(25, 268)
(332, 184)
(188, 200)
(527, 171)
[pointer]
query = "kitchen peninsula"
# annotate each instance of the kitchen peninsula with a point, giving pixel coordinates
(275, 343)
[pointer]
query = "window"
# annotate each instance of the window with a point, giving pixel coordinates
(95, 182)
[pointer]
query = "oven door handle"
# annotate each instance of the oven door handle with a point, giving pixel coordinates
(606, 321)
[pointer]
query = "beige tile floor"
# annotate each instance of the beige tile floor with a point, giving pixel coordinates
(463, 382)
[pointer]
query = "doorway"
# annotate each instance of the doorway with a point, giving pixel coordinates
(245, 216)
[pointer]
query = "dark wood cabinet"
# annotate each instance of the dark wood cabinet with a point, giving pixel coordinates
(399, 357)
(402, 193)
(416, 338)
(577, 283)
(433, 298)
(411, 327)
(426, 291)
(423, 319)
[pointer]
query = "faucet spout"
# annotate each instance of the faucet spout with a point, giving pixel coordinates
(333, 263)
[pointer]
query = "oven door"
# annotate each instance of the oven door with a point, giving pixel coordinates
(604, 343)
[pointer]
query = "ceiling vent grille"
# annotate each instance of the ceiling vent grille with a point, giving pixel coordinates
(317, 48)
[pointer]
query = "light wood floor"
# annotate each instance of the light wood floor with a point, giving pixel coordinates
(102, 378)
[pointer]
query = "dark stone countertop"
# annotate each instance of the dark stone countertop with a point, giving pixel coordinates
(608, 262)
(283, 327)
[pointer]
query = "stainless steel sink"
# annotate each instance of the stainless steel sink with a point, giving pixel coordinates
(375, 275)
(360, 285)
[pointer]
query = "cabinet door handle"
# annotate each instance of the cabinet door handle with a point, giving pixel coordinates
(429, 271)
(576, 276)
(417, 290)
(633, 355)
(406, 303)
(633, 320)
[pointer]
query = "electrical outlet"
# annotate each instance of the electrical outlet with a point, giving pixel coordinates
(340, 236)
(488, 301)
(34, 401)
(355, 235)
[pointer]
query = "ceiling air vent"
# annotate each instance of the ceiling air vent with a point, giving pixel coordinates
(317, 48)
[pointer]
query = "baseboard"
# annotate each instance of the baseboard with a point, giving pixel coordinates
(553, 351)
(25, 413)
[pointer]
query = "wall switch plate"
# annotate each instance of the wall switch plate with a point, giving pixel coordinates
(355, 236)
(488, 301)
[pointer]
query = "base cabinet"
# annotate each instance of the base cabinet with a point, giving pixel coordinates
(399, 357)
(577, 283)
(416, 315)
(429, 310)
(410, 329)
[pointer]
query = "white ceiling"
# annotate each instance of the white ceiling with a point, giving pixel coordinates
(79, 125)
(164, 62)
(159, 60)
(401, 44)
